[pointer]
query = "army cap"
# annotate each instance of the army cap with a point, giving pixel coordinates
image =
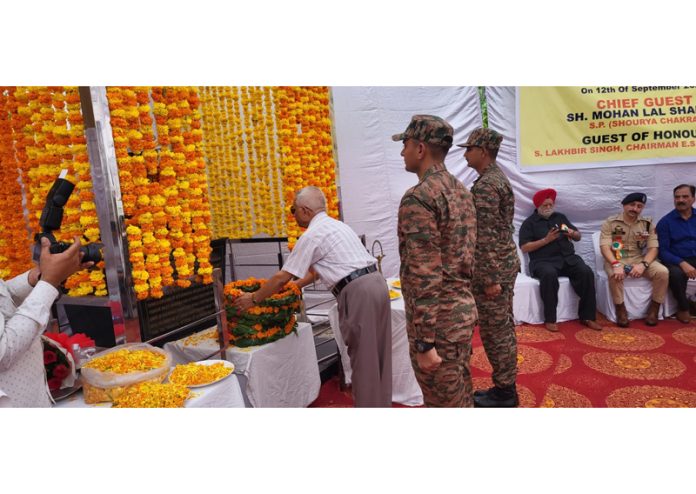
(483, 138)
(428, 128)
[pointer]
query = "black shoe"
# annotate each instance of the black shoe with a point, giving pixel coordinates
(497, 398)
(481, 392)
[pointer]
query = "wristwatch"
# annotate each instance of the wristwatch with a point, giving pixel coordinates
(424, 346)
(644, 264)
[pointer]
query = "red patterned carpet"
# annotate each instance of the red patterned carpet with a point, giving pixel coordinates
(577, 367)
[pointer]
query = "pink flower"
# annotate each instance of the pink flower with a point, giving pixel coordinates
(60, 372)
(49, 357)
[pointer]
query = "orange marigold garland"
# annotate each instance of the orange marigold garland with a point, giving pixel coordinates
(158, 140)
(269, 320)
(306, 147)
(49, 136)
(15, 243)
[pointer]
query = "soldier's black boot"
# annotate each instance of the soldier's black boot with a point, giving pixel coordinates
(497, 397)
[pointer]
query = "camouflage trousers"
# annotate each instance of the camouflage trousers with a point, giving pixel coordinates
(450, 385)
(497, 330)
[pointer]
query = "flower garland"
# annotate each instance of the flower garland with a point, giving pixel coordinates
(242, 161)
(158, 140)
(15, 244)
(306, 146)
(262, 146)
(48, 134)
(269, 320)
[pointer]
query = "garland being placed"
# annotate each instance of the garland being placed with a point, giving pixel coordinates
(269, 320)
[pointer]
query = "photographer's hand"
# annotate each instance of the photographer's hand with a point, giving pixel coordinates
(55, 268)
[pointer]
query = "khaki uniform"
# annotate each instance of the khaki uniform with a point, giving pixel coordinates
(616, 229)
(496, 263)
(437, 238)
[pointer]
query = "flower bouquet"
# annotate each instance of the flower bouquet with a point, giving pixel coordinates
(269, 320)
(58, 362)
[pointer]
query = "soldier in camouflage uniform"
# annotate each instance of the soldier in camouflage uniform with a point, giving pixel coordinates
(437, 238)
(496, 267)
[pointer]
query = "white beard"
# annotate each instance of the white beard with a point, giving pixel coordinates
(546, 214)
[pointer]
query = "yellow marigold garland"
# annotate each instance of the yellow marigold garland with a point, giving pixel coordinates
(243, 162)
(262, 145)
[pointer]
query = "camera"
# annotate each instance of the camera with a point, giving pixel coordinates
(52, 217)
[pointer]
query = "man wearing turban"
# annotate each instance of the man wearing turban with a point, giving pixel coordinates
(546, 236)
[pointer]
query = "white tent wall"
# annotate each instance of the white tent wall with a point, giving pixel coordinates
(371, 170)
(586, 196)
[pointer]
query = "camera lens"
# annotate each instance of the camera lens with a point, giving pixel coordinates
(92, 252)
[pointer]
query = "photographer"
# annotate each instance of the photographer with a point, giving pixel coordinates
(25, 303)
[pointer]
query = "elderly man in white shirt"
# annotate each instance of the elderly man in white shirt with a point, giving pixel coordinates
(329, 249)
(25, 303)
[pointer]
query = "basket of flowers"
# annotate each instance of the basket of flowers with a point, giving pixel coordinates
(110, 373)
(269, 320)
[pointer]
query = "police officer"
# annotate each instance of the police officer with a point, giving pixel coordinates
(496, 266)
(437, 237)
(623, 239)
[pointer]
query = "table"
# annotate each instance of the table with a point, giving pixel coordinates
(284, 373)
(405, 388)
(223, 394)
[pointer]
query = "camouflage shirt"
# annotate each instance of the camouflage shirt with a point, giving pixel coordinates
(496, 254)
(437, 238)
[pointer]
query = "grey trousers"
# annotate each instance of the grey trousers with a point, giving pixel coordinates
(364, 316)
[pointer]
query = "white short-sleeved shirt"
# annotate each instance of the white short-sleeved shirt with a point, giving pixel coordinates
(331, 247)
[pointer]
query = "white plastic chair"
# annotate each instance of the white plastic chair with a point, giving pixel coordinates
(637, 291)
(670, 306)
(527, 306)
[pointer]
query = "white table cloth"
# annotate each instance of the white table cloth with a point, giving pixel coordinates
(405, 388)
(223, 394)
(284, 373)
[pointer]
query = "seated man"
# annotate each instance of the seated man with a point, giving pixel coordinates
(622, 240)
(676, 232)
(546, 236)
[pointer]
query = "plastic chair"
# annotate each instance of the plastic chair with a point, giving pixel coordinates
(527, 306)
(637, 291)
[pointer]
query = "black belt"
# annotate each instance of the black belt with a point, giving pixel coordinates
(336, 290)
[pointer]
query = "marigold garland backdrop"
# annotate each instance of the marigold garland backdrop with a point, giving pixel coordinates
(190, 170)
(262, 145)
